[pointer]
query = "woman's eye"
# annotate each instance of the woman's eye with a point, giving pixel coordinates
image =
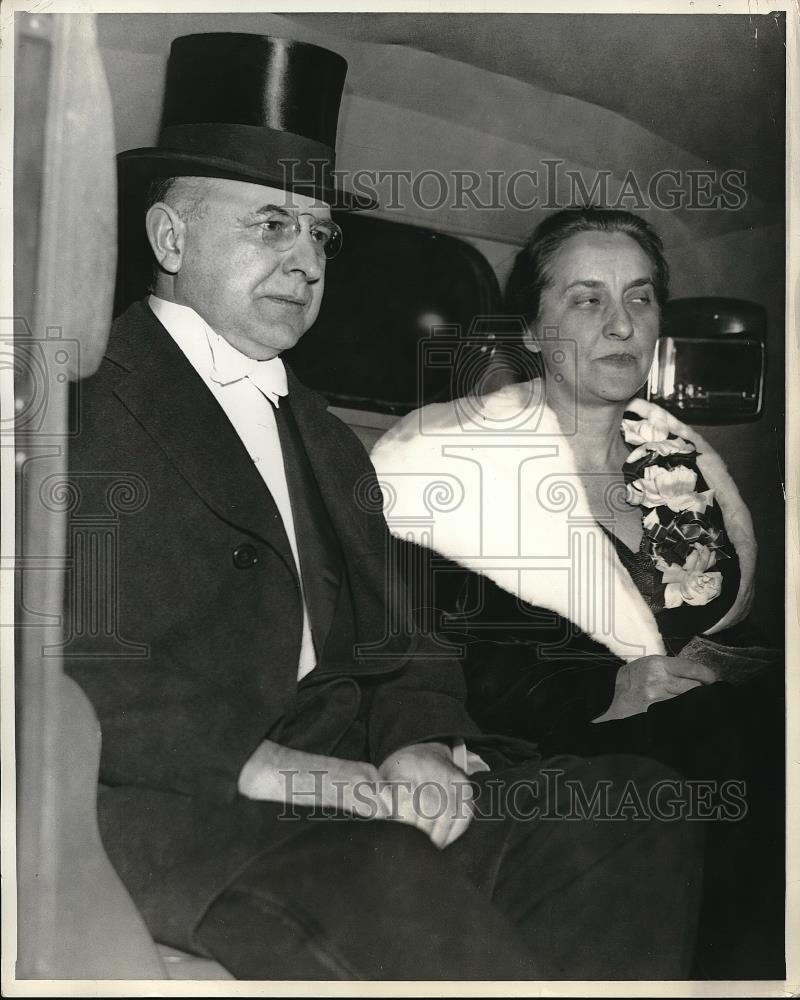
(587, 300)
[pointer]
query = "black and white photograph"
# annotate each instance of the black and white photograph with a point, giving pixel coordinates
(400, 531)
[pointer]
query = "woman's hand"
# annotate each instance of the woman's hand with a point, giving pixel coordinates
(649, 679)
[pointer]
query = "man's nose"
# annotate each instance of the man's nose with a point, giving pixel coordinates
(303, 256)
(618, 323)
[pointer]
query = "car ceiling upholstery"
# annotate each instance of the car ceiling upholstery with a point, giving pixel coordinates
(606, 92)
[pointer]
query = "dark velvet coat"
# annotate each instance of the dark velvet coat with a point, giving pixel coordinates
(185, 628)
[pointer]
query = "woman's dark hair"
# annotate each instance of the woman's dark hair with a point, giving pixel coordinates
(531, 272)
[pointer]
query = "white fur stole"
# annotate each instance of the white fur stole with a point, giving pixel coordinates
(491, 484)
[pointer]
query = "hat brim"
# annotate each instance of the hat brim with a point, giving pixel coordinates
(138, 167)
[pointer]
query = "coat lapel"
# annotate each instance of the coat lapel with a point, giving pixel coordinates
(321, 561)
(341, 481)
(171, 402)
(322, 442)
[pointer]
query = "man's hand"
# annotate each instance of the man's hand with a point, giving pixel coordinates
(279, 774)
(649, 679)
(427, 790)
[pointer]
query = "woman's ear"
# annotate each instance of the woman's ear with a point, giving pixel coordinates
(166, 232)
(529, 339)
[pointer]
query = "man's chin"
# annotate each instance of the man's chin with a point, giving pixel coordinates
(284, 340)
(282, 333)
(264, 342)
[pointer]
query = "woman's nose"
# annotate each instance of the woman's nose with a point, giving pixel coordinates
(618, 323)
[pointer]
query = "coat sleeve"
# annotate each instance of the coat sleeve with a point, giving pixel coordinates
(528, 672)
(424, 702)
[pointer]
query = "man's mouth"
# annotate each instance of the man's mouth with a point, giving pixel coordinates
(288, 300)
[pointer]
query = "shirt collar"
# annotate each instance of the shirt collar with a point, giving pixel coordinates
(213, 357)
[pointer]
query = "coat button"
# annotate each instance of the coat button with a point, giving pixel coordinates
(245, 556)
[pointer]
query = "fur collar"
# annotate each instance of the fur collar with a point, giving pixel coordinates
(492, 484)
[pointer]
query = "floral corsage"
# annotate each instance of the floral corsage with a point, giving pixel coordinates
(682, 524)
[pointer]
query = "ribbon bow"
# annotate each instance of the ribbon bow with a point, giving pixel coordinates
(674, 536)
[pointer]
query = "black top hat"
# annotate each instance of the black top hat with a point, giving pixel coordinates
(250, 108)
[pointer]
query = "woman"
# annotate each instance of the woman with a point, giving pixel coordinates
(581, 547)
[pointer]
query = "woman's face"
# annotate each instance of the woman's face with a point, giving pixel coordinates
(598, 319)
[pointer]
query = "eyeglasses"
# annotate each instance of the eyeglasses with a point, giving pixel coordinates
(280, 230)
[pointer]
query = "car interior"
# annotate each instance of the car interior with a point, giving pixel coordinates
(555, 107)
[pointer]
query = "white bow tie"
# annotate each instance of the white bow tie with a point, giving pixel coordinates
(232, 366)
(270, 378)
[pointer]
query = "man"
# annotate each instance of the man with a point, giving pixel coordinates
(287, 784)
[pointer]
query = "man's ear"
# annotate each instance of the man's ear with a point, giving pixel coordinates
(166, 232)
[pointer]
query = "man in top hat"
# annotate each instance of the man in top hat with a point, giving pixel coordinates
(289, 786)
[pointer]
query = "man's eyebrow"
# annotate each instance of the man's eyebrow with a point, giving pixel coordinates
(264, 210)
(258, 213)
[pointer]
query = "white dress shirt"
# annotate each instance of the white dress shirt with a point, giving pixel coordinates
(246, 390)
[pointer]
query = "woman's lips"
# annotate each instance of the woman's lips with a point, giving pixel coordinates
(619, 360)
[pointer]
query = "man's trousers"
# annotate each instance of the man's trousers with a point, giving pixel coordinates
(571, 869)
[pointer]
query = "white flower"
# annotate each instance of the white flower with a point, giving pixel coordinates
(652, 439)
(641, 431)
(698, 501)
(675, 446)
(691, 584)
(700, 560)
(673, 487)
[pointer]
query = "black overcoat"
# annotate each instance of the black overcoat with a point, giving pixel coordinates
(185, 621)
